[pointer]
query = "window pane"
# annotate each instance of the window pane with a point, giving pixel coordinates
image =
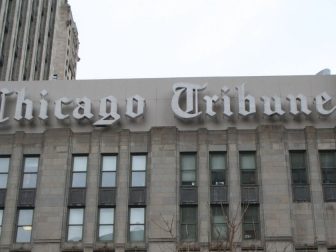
(297, 160)
(219, 214)
(137, 216)
(248, 177)
(138, 178)
(329, 176)
(106, 216)
(217, 161)
(251, 214)
(327, 159)
(29, 180)
(76, 216)
(31, 164)
(25, 217)
(1, 215)
(188, 176)
(189, 215)
(3, 180)
(219, 231)
(106, 233)
(75, 233)
(137, 232)
(188, 162)
(299, 176)
(138, 163)
(109, 163)
(4, 164)
(108, 179)
(247, 161)
(250, 231)
(188, 232)
(79, 179)
(218, 177)
(23, 234)
(80, 163)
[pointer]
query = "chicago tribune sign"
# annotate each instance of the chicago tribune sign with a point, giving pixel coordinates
(184, 104)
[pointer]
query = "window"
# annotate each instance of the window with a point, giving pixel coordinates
(328, 166)
(24, 225)
(188, 223)
(1, 217)
(106, 224)
(188, 169)
(218, 168)
(248, 168)
(30, 170)
(139, 163)
(251, 223)
(108, 173)
(219, 222)
(79, 171)
(137, 224)
(4, 167)
(75, 224)
(299, 176)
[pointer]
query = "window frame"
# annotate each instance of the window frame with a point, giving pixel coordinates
(18, 225)
(194, 183)
(225, 211)
(212, 171)
(141, 224)
(102, 172)
(183, 223)
(79, 172)
(248, 171)
(75, 225)
(6, 173)
(256, 224)
(102, 225)
(133, 172)
(30, 173)
(323, 169)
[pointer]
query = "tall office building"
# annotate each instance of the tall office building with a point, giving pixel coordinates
(38, 40)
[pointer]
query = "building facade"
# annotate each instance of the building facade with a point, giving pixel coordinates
(186, 164)
(38, 40)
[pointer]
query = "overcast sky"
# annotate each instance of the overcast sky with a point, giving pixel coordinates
(183, 38)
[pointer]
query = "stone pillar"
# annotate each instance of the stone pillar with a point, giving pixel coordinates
(162, 205)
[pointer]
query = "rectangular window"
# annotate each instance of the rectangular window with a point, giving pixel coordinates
(108, 171)
(299, 176)
(4, 167)
(219, 222)
(188, 169)
(106, 224)
(218, 168)
(139, 163)
(75, 224)
(79, 171)
(137, 224)
(251, 222)
(30, 169)
(328, 166)
(248, 168)
(24, 225)
(188, 223)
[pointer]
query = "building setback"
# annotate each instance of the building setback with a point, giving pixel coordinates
(38, 40)
(171, 171)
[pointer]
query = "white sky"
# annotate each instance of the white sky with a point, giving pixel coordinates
(184, 38)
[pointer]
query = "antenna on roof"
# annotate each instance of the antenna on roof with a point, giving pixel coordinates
(325, 71)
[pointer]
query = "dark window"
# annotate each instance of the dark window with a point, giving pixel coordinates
(137, 224)
(30, 170)
(251, 222)
(24, 225)
(188, 223)
(75, 224)
(188, 169)
(139, 163)
(219, 222)
(328, 167)
(79, 171)
(4, 167)
(218, 168)
(106, 224)
(299, 176)
(109, 170)
(248, 168)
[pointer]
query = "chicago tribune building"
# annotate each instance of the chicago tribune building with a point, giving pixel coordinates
(174, 164)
